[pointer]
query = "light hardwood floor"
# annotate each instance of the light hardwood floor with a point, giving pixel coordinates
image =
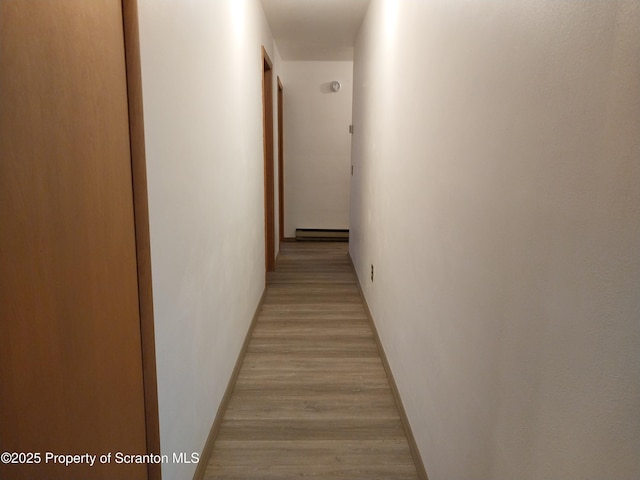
(312, 398)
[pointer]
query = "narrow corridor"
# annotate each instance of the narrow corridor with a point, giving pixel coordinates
(312, 399)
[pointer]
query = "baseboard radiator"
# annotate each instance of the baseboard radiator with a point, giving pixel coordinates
(322, 235)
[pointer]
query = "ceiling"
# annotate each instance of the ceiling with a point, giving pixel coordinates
(315, 29)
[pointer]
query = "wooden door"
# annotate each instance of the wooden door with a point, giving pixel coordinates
(269, 179)
(280, 160)
(70, 342)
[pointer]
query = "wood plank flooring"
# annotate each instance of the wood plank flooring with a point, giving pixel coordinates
(312, 398)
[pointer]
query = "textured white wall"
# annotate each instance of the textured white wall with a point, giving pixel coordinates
(202, 74)
(317, 145)
(497, 192)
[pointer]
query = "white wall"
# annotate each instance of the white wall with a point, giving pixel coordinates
(202, 74)
(497, 192)
(317, 145)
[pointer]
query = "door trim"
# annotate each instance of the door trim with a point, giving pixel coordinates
(267, 115)
(280, 159)
(141, 219)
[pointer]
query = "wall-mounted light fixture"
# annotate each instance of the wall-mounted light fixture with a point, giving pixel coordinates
(335, 86)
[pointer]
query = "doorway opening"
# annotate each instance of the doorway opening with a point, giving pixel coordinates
(267, 112)
(280, 160)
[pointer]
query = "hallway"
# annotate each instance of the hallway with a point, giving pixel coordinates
(312, 398)
(157, 157)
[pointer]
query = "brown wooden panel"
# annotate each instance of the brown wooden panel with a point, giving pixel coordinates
(143, 241)
(269, 179)
(70, 355)
(280, 160)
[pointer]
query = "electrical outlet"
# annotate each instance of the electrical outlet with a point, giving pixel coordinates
(372, 272)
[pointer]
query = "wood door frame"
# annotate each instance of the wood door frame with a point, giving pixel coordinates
(280, 159)
(267, 125)
(141, 220)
